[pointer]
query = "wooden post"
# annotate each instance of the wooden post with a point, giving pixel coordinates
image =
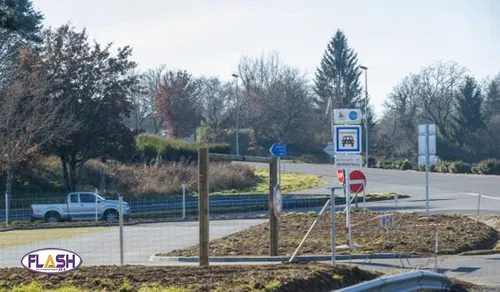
(203, 204)
(273, 221)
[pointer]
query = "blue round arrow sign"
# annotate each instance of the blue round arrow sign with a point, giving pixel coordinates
(353, 115)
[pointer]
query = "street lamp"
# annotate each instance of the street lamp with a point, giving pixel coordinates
(366, 113)
(237, 114)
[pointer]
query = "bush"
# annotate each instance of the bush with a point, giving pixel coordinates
(152, 147)
(460, 167)
(441, 166)
(372, 161)
(406, 164)
(387, 164)
(488, 166)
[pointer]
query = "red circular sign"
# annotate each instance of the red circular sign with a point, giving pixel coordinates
(357, 181)
(340, 176)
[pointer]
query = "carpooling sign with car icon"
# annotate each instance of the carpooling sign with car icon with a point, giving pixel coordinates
(348, 139)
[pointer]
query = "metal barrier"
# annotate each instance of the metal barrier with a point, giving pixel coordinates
(411, 281)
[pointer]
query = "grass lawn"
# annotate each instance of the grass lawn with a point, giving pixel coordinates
(290, 182)
(21, 237)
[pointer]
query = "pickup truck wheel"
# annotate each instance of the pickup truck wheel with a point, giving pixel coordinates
(111, 216)
(52, 217)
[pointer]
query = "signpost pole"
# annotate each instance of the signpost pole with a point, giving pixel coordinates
(364, 197)
(332, 212)
(427, 169)
(273, 220)
(279, 170)
(348, 202)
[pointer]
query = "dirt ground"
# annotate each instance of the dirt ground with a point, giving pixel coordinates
(411, 234)
(288, 277)
(293, 277)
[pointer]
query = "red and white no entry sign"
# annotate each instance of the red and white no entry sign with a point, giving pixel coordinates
(357, 181)
(340, 176)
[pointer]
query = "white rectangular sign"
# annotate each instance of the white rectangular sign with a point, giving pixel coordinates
(427, 133)
(387, 221)
(347, 116)
(422, 129)
(422, 142)
(348, 161)
(347, 139)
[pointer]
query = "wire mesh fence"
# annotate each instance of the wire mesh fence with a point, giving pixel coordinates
(155, 225)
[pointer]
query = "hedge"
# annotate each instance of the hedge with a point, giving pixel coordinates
(151, 147)
(488, 166)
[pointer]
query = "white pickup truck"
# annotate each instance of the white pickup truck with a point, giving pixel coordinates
(80, 206)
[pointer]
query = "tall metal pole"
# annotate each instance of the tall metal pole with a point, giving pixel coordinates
(366, 114)
(427, 169)
(237, 115)
(332, 213)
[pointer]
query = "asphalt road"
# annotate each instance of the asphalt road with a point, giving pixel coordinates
(447, 192)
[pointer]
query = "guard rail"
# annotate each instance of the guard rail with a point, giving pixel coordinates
(411, 281)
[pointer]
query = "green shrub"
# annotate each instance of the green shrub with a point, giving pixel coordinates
(441, 166)
(405, 165)
(460, 167)
(488, 166)
(153, 147)
(372, 161)
(388, 165)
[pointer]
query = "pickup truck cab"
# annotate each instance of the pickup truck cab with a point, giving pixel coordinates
(80, 206)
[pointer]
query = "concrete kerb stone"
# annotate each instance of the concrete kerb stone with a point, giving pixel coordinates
(312, 258)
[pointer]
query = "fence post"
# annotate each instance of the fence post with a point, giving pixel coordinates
(478, 204)
(120, 203)
(183, 201)
(273, 220)
(6, 209)
(203, 204)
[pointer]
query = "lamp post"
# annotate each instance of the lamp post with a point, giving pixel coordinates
(237, 114)
(366, 114)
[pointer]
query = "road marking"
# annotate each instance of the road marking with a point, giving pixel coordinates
(483, 196)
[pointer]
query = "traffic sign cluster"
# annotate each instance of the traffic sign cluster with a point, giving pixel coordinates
(346, 150)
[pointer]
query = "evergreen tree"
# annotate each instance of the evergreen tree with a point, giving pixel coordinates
(338, 76)
(492, 102)
(469, 116)
(19, 17)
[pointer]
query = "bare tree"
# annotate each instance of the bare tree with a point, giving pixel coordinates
(29, 120)
(144, 114)
(436, 93)
(177, 103)
(277, 99)
(216, 106)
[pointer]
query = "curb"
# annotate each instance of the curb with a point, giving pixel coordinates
(155, 258)
(479, 252)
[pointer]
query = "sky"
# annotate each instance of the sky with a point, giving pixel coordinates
(208, 37)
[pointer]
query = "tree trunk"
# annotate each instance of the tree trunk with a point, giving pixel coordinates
(69, 168)
(65, 174)
(72, 174)
(8, 193)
